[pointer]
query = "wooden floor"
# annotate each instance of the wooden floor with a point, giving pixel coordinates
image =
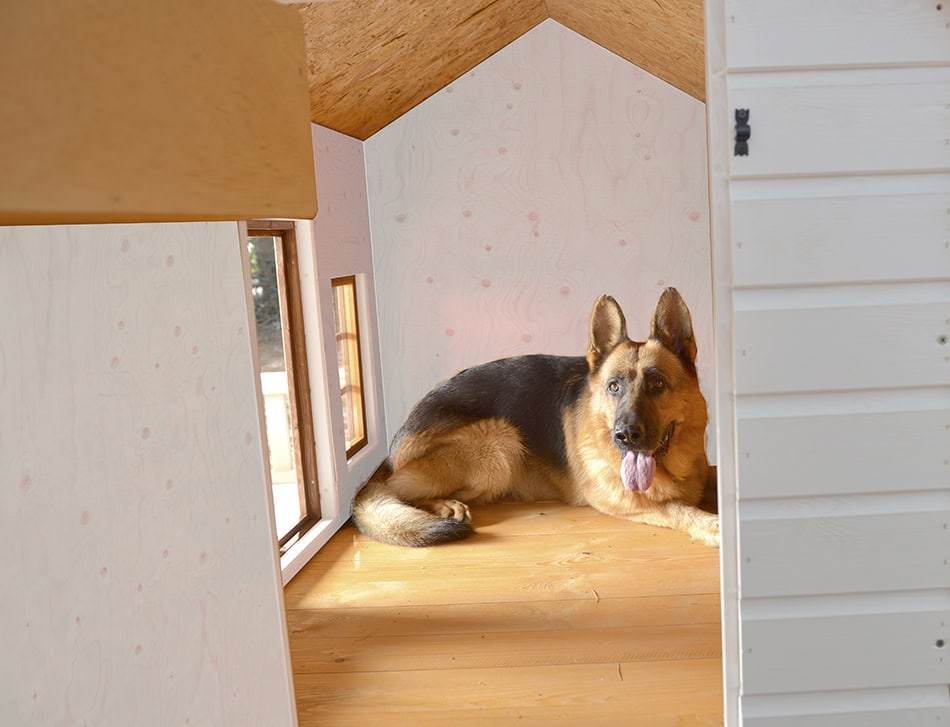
(549, 615)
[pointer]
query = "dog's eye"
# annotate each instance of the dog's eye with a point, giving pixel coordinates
(613, 386)
(657, 384)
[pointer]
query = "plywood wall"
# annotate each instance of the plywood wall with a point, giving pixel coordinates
(140, 576)
(500, 208)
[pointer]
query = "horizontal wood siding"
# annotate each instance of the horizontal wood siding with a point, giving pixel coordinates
(844, 455)
(910, 717)
(892, 707)
(834, 124)
(811, 555)
(764, 33)
(840, 304)
(842, 347)
(820, 240)
(855, 651)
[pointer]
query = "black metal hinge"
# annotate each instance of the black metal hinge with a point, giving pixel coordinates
(743, 132)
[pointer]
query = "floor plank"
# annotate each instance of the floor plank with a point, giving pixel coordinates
(549, 615)
(618, 693)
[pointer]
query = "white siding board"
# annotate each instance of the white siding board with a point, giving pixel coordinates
(855, 554)
(764, 34)
(832, 261)
(890, 126)
(911, 717)
(841, 454)
(845, 652)
(828, 240)
(842, 348)
(891, 707)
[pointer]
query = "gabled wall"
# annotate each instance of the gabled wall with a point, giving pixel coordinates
(504, 205)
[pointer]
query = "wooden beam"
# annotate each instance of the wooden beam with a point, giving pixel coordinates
(135, 110)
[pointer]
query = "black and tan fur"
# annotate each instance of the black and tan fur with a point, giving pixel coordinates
(554, 428)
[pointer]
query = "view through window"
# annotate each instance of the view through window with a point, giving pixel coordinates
(275, 288)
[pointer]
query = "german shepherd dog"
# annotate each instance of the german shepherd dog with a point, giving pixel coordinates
(621, 430)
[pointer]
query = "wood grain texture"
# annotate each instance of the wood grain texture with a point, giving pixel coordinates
(134, 512)
(663, 37)
(120, 111)
(532, 620)
(371, 61)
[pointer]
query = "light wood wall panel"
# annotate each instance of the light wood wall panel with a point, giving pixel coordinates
(763, 34)
(341, 241)
(825, 239)
(370, 61)
(824, 553)
(856, 651)
(140, 571)
(130, 111)
(909, 717)
(838, 348)
(845, 123)
(843, 456)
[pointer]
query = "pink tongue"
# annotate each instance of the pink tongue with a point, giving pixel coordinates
(637, 470)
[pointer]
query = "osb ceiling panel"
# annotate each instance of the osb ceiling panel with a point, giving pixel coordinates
(373, 60)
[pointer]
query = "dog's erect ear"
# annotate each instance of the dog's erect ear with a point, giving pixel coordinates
(673, 327)
(608, 328)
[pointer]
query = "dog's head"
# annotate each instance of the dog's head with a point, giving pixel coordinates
(644, 389)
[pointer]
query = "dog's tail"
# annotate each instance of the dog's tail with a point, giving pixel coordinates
(378, 513)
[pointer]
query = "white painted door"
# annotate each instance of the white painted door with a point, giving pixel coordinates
(831, 249)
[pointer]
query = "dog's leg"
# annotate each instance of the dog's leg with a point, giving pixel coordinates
(698, 524)
(426, 483)
(478, 462)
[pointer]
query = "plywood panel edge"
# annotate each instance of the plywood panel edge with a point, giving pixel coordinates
(122, 111)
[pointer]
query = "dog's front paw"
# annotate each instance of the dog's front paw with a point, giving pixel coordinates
(706, 530)
(452, 510)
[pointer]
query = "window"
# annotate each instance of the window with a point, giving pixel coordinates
(346, 318)
(275, 288)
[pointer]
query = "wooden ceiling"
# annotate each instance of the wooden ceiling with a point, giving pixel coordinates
(373, 60)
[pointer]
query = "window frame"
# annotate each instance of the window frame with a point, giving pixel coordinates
(356, 346)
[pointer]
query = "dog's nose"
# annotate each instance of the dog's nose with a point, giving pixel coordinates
(628, 436)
